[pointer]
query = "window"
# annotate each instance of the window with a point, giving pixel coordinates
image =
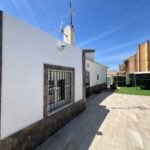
(87, 78)
(97, 77)
(59, 86)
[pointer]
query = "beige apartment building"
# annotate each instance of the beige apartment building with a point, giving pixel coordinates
(140, 62)
(130, 64)
(143, 57)
(122, 69)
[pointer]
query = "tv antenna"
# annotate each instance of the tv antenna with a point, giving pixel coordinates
(71, 14)
(61, 29)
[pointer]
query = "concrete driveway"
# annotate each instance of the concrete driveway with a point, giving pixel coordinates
(110, 122)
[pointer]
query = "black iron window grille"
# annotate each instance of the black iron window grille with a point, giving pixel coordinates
(59, 89)
(87, 78)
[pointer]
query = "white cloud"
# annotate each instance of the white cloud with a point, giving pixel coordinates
(125, 45)
(102, 35)
(115, 57)
(25, 5)
(115, 29)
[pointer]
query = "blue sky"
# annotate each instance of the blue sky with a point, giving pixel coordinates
(113, 28)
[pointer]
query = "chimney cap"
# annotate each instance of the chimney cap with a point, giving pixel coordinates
(89, 50)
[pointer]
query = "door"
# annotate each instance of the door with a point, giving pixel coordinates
(87, 82)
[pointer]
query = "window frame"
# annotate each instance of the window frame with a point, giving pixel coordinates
(47, 68)
(98, 77)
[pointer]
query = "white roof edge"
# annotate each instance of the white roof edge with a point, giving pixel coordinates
(98, 63)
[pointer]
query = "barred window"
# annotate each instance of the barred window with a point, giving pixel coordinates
(60, 85)
(58, 88)
(87, 78)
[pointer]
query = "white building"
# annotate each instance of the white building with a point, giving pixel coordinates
(96, 74)
(41, 81)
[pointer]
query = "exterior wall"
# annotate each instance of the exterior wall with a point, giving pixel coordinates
(148, 46)
(137, 60)
(143, 58)
(35, 134)
(96, 69)
(126, 62)
(25, 51)
(122, 69)
(140, 62)
(132, 64)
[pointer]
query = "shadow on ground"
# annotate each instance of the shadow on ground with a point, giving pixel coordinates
(80, 132)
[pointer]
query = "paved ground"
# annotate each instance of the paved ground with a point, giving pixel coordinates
(110, 122)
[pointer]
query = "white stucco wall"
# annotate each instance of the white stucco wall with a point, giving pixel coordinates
(25, 50)
(96, 69)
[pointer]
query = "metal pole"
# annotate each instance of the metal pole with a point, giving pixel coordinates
(71, 14)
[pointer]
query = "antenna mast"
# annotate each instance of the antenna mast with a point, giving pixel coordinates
(71, 14)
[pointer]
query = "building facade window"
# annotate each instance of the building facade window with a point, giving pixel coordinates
(87, 78)
(60, 87)
(87, 82)
(97, 77)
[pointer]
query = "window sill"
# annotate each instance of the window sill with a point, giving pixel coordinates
(59, 109)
